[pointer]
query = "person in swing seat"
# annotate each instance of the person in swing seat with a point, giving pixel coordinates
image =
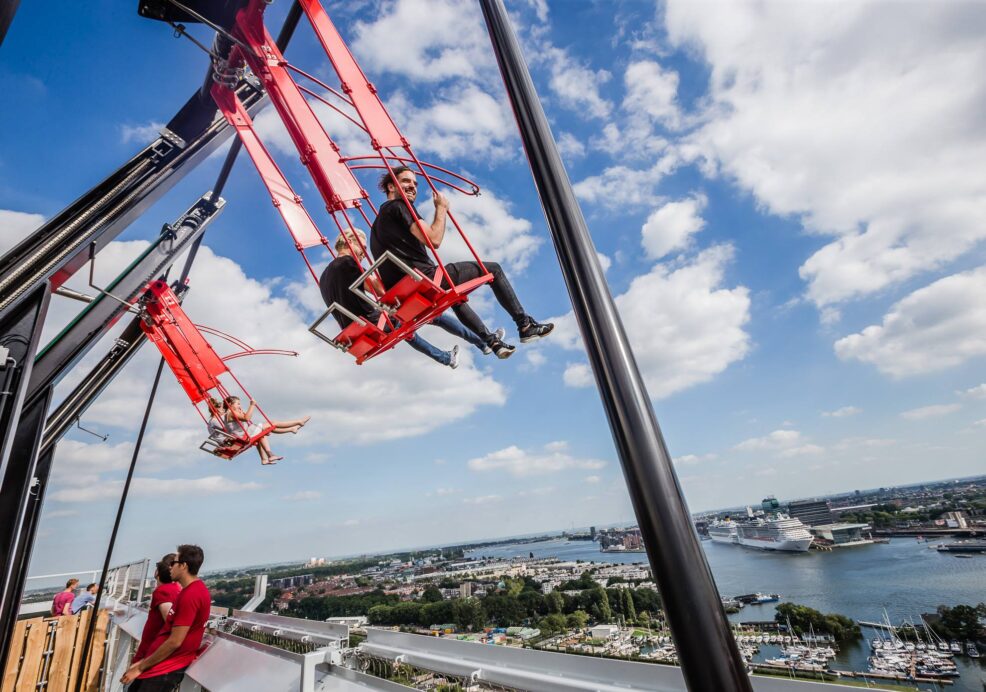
(344, 270)
(239, 425)
(402, 231)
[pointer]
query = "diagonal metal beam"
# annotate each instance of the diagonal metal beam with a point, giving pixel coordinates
(709, 657)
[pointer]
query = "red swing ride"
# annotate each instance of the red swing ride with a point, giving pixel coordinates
(414, 301)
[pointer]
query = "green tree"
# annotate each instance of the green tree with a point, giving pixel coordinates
(431, 595)
(552, 624)
(804, 619)
(629, 609)
(578, 620)
(554, 602)
(961, 621)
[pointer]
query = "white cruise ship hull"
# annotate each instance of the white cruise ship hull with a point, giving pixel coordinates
(797, 545)
(723, 538)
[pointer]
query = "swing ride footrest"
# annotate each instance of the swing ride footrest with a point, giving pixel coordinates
(412, 296)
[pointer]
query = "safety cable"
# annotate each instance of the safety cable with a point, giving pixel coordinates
(80, 682)
(218, 29)
(181, 31)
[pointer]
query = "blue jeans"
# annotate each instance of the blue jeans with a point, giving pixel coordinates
(452, 326)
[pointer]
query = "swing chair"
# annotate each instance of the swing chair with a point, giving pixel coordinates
(198, 367)
(416, 299)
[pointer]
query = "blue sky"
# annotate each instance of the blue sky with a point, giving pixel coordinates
(788, 198)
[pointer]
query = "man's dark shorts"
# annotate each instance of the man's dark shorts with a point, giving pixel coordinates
(169, 682)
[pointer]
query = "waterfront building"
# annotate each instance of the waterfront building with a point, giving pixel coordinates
(770, 504)
(838, 534)
(465, 589)
(812, 512)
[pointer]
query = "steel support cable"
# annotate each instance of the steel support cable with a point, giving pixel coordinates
(80, 682)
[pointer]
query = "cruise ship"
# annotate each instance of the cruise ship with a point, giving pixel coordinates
(778, 533)
(724, 532)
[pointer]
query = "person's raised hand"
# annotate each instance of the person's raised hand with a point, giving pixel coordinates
(441, 201)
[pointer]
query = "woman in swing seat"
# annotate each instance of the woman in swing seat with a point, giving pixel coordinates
(238, 423)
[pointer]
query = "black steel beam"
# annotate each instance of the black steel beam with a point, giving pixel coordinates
(21, 510)
(20, 342)
(73, 342)
(62, 245)
(710, 659)
(8, 8)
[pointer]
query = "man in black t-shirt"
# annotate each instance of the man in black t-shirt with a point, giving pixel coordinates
(344, 271)
(400, 229)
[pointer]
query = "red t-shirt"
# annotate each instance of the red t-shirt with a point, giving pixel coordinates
(58, 605)
(165, 593)
(191, 609)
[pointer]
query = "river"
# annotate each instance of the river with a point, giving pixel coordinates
(903, 577)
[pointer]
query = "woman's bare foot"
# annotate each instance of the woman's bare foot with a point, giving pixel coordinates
(303, 421)
(273, 459)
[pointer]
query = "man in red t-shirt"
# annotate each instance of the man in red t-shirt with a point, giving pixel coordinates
(178, 642)
(162, 600)
(62, 605)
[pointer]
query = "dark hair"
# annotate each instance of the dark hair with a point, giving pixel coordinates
(70, 584)
(162, 570)
(386, 180)
(192, 556)
(91, 585)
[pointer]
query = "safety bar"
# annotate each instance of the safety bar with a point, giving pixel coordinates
(357, 285)
(335, 307)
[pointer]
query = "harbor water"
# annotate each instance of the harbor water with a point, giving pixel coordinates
(904, 577)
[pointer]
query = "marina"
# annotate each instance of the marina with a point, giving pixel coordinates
(860, 583)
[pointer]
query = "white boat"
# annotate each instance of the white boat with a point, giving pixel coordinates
(971, 650)
(723, 531)
(779, 533)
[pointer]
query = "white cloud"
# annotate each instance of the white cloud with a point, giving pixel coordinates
(578, 375)
(685, 328)
(464, 123)
(15, 226)
(351, 522)
(447, 491)
(842, 412)
(481, 500)
(620, 186)
(691, 459)
(977, 392)
(936, 327)
(553, 458)
(535, 358)
(496, 235)
(837, 118)
(981, 423)
(303, 496)
(155, 487)
(671, 227)
(424, 40)
(782, 443)
(570, 147)
(142, 134)
(604, 261)
(285, 387)
(933, 411)
(651, 91)
(575, 85)
(592, 480)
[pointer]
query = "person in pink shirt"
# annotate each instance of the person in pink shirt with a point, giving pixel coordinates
(162, 599)
(62, 605)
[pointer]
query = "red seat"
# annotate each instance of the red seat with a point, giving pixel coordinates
(412, 296)
(359, 338)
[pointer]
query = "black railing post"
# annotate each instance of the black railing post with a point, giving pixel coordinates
(710, 659)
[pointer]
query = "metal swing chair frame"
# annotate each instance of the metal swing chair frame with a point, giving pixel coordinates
(416, 299)
(197, 366)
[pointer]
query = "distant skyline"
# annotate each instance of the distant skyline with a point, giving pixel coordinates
(787, 198)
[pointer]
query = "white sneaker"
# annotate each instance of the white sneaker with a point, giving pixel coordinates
(454, 357)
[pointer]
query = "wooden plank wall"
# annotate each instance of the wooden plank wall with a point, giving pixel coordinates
(44, 654)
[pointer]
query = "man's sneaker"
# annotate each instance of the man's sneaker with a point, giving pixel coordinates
(502, 349)
(453, 361)
(498, 336)
(534, 330)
